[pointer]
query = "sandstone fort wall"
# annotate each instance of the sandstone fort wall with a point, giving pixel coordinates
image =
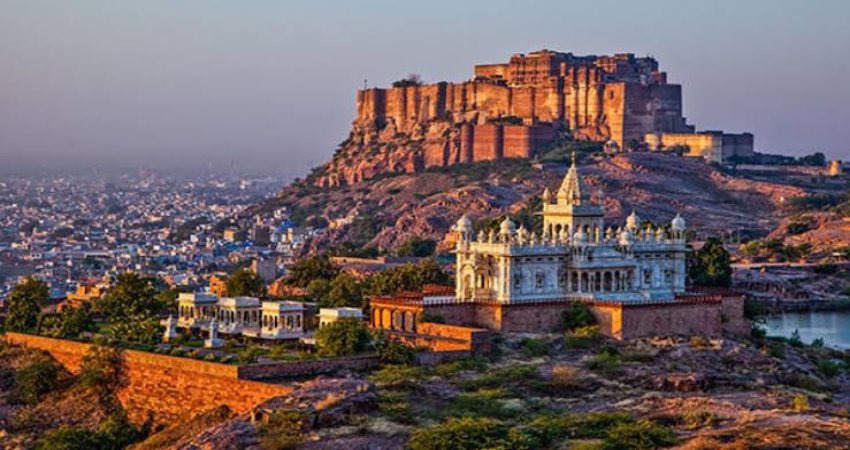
(168, 387)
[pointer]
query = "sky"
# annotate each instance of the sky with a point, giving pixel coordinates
(269, 85)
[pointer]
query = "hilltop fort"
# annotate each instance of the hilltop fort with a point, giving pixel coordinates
(515, 109)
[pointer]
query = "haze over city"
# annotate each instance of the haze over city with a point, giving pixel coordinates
(270, 85)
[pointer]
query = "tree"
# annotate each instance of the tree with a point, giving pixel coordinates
(343, 337)
(416, 246)
(413, 79)
(307, 270)
(131, 296)
(409, 277)
(132, 306)
(711, 265)
(245, 282)
(317, 290)
(25, 304)
(70, 323)
(344, 291)
(390, 351)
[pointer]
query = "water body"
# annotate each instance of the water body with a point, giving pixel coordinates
(833, 327)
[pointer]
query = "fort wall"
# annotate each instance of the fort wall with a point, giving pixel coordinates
(168, 387)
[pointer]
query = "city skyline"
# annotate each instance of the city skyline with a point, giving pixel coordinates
(272, 84)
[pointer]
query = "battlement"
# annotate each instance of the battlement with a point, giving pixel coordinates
(618, 97)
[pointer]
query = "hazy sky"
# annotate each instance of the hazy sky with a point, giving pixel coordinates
(271, 82)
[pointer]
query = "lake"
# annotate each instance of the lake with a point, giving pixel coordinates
(833, 327)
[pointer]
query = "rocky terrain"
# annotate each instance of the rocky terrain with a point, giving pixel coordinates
(549, 391)
(693, 394)
(389, 208)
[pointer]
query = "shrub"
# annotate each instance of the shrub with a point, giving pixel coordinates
(578, 315)
(503, 377)
(800, 403)
(534, 347)
(829, 367)
(566, 376)
(396, 407)
(605, 362)
(818, 343)
(548, 428)
(249, 355)
(103, 370)
(35, 380)
(451, 368)
(403, 377)
(583, 337)
(468, 434)
(639, 435)
(804, 381)
(483, 403)
(70, 438)
(392, 352)
(210, 357)
(696, 419)
(795, 340)
(343, 337)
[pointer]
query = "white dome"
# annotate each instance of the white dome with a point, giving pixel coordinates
(464, 224)
(626, 237)
(507, 226)
(678, 223)
(633, 221)
(580, 237)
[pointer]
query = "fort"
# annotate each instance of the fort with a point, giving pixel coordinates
(517, 109)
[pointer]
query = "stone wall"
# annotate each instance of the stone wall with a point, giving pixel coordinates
(168, 387)
(306, 368)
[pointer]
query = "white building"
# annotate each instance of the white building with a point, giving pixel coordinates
(248, 316)
(575, 258)
(331, 315)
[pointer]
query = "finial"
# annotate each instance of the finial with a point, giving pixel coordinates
(574, 157)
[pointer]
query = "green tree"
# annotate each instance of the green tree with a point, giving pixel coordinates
(344, 291)
(307, 270)
(343, 337)
(35, 380)
(711, 265)
(131, 296)
(318, 289)
(409, 277)
(70, 323)
(25, 304)
(416, 246)
(245, 282)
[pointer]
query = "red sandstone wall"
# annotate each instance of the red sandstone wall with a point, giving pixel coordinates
(518, 141)
(169, 387)
(487, 142)
(682, 320)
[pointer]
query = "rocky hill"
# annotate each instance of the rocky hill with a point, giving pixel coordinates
(390, 207)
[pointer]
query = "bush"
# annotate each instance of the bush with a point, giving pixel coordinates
(403, 377)
(392, 352)
(503, 377)
(70, 438)
(800, 403)
(534, 347)
(343, 337)
(547, 429)
(451, 368)
(395, 406)
(605, 362)
(578, 315)
(639, 435)
(35, 380)
(468, 434)
(103, 371)
(795, 340)
(583, 337)
(483, 403)
(566, 376)
(830, 368)
(249, 355)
